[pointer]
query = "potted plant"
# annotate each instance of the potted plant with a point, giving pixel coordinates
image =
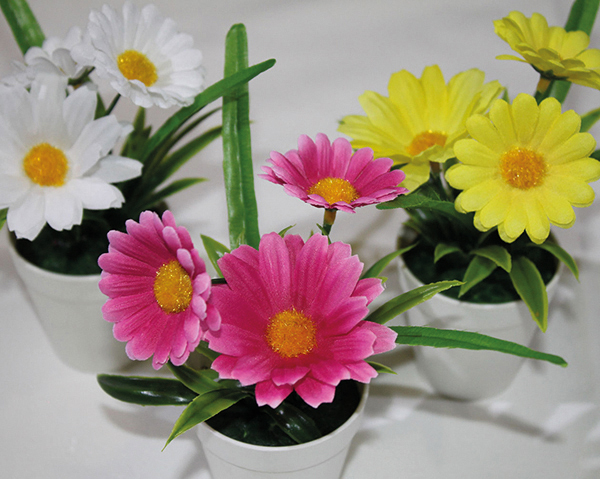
(64, 185)
(285, 326)
(482, 172)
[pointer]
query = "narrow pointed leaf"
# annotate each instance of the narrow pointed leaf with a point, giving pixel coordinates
(448, 338)
(528, 283)
(3, 214)
(204, 407)
(237, 154)
(589, 119)
(214, 250)
(561, 255)
(381, 368)
(498, 254)
(169, 190)
(208, 353)
(200, 382)
(405, 301)
(22, 22)
(146, 391)
(212, 93)
(443, 249)
(479, 268)
(376, 270)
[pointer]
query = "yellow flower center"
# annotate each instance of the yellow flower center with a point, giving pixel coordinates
(425, 140)
(173, 288)
(522, 168)
(46, 165)
(291, 334)
(136, 66)
(334, 189)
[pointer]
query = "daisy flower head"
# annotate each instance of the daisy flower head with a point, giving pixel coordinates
(55, 160)
(551, 51)
(524, 168)
(53, 57)
(143, 56)
(292, 319)
(158, 290)
(329, 175)
(421, 119)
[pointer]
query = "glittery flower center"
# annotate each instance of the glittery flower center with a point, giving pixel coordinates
(333, 190)
(291, 334)
(136, 66)
(46, 165)
(173, 288)
(522, 168)
(425, 140)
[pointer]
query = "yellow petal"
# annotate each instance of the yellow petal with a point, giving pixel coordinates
(578, 146)
(479, 195)
(381, 113)
(525, 113)
(463, 177)
(563, 128)
(502, 119)
(407, 96)
(538, 225)
(472, 152)
(514, 223)
(436, 95)
(495, 211)
(549, 113)
(482, 130)
(366, 135)
(416, 175)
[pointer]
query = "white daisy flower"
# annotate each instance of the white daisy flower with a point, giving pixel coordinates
(54, 57)
(55, 160)
(143, 56)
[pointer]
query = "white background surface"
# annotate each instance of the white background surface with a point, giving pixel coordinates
(56, 422)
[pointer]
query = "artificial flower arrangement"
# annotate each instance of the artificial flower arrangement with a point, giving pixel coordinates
(483, 170)
(62, 186)
(285, 326)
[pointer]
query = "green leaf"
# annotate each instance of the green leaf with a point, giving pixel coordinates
(498, 254)
(528, 283)
(284, 231)
(381, 368)
(172, 188)
(212, 93)
(479, 268)
(200, 382)
(22, 22)
(203, 349)
(589, 119)
(3, 214)
(169, 165)
(204, 407)
(448, 338)
(376, 270)
(405, 301)
(443, 249)
(291, 420)
(561, 255)
(214, 250)
(237, 154)
(146, 391)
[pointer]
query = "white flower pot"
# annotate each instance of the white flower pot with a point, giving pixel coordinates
(465, 374)
(69, 310)
(322, 458)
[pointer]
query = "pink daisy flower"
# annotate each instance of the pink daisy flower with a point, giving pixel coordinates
(158, 290)
(292, 319)
(331, 176)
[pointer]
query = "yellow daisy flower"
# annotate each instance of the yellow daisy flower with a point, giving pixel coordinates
(552, 51)
(421, 120)
(524, 168)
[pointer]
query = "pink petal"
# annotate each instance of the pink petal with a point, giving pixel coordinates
(291, 376)
(369, 288)
(386, 338)
(361, 371)
(269, 394)
(329, 372)
(315, 392)
(275, 270)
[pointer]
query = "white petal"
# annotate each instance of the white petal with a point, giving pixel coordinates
(63, 209)
(113, 169)
(48, 93)
(27, 218)
(95, 194)
(79, 109)
(12, 189)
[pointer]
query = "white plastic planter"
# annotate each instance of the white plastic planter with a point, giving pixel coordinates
(465, 374)
(322, 458)
(69, 310)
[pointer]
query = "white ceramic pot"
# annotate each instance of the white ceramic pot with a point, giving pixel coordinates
(465, 374)
(322, 458)
(69, 310)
